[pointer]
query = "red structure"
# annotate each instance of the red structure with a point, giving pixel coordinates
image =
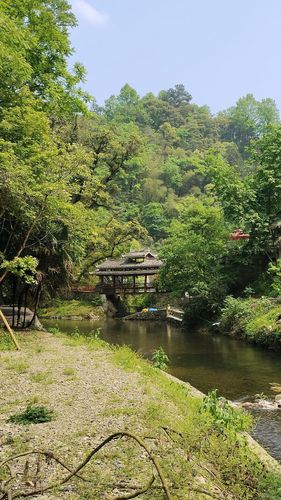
(238, 234)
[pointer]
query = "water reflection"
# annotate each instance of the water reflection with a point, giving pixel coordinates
(237, 370)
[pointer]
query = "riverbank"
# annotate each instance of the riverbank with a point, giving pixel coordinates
(94, 391)
(72, 309)
(255, 320)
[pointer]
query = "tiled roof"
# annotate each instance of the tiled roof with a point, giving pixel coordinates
(124, 263)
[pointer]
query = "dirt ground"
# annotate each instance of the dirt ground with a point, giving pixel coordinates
(91, 399)
(94, 392)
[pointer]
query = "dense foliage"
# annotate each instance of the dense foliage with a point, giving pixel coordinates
(256, 320)
(80, 183)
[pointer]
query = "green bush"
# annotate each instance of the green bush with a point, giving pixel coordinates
(32, 415)
(6, 343)
(54, 330)
(253, 319)
(160, 359)
(96, 300)
(95, 334)
(234, 313)
(274, 270)
(224, 416)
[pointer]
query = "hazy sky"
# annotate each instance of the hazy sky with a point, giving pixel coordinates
(219, 49)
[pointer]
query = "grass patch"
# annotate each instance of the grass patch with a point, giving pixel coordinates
(127, 411)
(68, 308)
(6, 343)
(32, 415)
(18, 365)
(54, 330)
(69, 371)
(255, 320)
(43, 377)
(126, 358)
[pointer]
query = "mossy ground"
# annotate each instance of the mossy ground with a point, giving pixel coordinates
(95, 390)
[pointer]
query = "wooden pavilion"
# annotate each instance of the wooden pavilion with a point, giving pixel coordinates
(135, 272)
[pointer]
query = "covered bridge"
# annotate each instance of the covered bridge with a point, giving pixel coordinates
(135, 272)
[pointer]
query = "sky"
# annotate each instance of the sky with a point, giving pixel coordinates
(219, 49)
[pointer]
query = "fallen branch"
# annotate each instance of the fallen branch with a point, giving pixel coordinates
(138, 492)
(118, 435)
(47, 454)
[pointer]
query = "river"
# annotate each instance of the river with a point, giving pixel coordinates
(206, 360)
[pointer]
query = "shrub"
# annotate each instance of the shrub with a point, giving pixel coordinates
(54, 330)
(253, 319)
(6, 343)
(32, 415)
(274, 270)
(234, 313)
(224, 416)
(95, 334)
(160, 359)
(75, 333)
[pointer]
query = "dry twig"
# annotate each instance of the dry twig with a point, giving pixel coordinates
(118, 435)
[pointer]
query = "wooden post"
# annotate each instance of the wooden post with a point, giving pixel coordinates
(6, 324)
(145, 283)
(167, 310)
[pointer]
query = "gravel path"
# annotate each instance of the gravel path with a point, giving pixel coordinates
(93, 393)
(91, 398)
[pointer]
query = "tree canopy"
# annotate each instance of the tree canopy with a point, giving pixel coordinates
(81, 182)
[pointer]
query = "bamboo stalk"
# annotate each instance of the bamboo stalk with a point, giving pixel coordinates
(6, 324)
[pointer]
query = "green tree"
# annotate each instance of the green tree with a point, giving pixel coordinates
(176, 96)
(37, 33)
(266, 183)
(155, 220)
(193, 253)
(160, 112)
(126, 107)
(247, 120)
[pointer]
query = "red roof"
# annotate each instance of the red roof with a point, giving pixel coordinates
(239, 235)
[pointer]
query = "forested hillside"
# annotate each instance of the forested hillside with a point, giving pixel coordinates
(81, 182)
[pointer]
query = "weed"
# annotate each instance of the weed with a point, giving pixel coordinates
(32, 415)
(254, 319)
(95, 334)
(223, 415)
(69, 371)
(160, 359)
(127, 411)
(35, 399)
(125, 357)
(39, 349)
(6, 343)
(42, 377)
(75, 333)
(261, 396)
(54, 330)
(19, 366)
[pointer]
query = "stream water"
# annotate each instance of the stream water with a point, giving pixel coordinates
(206, 360)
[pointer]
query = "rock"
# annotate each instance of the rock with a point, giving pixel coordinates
(8, 312)
(262, 404)
(278, 400)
